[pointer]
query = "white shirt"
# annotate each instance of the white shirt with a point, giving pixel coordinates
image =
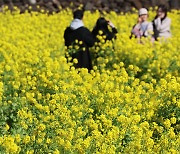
(163, 27)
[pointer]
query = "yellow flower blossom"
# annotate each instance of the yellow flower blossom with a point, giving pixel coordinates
(128, 103)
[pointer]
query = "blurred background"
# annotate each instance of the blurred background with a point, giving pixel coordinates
(101, 5)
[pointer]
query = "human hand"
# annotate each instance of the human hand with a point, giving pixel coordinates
(111, 24)
(162, 15)
(139, 20)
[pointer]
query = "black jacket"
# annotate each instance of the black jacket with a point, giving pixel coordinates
(84, 35)
(109, 34)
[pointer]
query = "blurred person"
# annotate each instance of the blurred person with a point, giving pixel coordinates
(104, 32)
(161, 23)
(143, 28)
(77, 32)
(102, 25)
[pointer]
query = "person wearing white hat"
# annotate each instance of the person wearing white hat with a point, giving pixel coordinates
(143, 28)
(142, 11)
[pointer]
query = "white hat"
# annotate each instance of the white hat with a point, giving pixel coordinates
(143, 11)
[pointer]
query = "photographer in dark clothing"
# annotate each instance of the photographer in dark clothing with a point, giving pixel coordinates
(104, 33)
(102, 25)
(78, 39)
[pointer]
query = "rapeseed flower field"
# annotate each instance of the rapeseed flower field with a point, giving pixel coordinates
(128, 103)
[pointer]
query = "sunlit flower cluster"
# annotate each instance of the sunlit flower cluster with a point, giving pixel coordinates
(128, 103)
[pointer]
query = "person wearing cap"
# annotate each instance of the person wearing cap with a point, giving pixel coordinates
(143, 28)
(161, 23)
(78, 39)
